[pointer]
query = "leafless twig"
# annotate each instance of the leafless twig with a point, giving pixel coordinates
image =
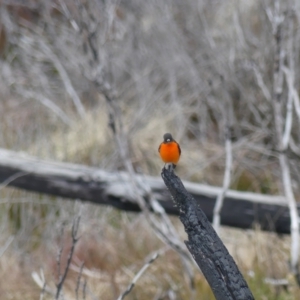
(64, 76)
(39, 279)
(47, 103)
(84, 288)
(289, 108)
(78, 281)
(12, 178)
(138, 275)
(261, 83)
(63, 277)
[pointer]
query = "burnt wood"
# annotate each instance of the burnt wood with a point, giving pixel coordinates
(209, 252)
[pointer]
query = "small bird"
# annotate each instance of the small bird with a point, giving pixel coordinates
(169, 150)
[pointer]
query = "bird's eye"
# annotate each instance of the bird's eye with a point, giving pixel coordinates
(168, 140)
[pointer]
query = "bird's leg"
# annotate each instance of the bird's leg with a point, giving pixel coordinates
(170, 166)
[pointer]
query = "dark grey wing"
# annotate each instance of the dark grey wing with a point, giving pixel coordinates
(179, 148)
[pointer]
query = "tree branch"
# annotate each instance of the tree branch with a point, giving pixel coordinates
(206, 247)
(62, 277)
(138, 275)
(64, 77)
(226, 182)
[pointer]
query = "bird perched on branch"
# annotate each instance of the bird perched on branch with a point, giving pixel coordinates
(169, 150)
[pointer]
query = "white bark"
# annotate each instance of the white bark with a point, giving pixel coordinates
(288, 191)
(226, 183)
(117, 184)
(283, 127)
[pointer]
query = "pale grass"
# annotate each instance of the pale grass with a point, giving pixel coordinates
(114, 246)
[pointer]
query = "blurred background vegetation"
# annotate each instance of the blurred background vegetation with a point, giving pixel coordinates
(192, 68)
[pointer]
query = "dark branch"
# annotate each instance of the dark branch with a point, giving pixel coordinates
(209, 252)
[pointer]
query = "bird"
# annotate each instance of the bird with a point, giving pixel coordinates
(169, 151)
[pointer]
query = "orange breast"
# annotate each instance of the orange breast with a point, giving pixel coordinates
(169, 152)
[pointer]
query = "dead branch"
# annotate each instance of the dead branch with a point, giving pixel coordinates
(39, 279)
(62, 277)
(78, 281)
(47, 103)
(226, 181)
(138, 275)
(209, 252)
(64, 76)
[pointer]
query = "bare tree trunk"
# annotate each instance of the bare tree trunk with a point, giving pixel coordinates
(283, 127)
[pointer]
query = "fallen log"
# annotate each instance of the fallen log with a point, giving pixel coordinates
(240, 209)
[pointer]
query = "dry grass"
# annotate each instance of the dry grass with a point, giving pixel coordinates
(114, 245)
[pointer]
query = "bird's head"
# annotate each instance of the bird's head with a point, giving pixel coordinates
(168, 138)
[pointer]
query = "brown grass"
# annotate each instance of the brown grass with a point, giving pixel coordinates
(114, 245)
